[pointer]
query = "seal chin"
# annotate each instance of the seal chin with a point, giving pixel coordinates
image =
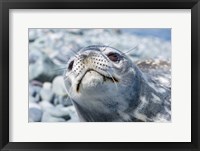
(93, 79)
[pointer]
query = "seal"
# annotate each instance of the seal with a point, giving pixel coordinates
(106, 86)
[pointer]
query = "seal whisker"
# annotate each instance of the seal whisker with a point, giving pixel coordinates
(75, 53)
(132, 49)
(113, 80)
(60, 69)
(69, 95)
(105, 48)
(67, 76)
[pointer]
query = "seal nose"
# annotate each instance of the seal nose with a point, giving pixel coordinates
(87, 55)
(87, 58)
(83, 56)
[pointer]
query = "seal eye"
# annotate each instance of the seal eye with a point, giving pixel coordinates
(113, 57)
(71, 65)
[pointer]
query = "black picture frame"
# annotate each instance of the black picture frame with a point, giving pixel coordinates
(5, 5)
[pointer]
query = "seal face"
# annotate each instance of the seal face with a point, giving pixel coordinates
(105, 85)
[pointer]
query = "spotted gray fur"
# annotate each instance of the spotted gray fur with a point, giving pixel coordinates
(103, 90)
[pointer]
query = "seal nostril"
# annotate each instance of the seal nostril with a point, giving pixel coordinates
(71, 65)
(83, 56)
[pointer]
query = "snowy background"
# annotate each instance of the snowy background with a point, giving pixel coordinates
(50, 48)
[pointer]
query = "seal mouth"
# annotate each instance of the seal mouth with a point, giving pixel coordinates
(105, 78)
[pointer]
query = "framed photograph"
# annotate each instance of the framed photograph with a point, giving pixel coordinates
(96, 75)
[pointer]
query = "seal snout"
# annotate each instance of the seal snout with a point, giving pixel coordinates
(91, 69)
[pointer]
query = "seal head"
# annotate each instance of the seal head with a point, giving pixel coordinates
(105, 85)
